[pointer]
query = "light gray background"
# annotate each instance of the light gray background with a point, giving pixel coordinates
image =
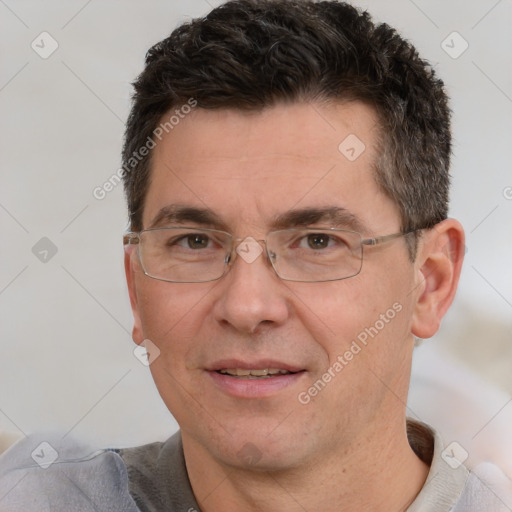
(66, 357)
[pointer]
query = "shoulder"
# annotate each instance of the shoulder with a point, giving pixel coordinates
(487, 488)
(158, 476)
(48, 472)
(450, 485)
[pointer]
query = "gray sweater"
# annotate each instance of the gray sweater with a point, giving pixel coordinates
(45, 473)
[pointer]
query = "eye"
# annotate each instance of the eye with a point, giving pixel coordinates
(318, 241)
(192, 241)
(198, 241)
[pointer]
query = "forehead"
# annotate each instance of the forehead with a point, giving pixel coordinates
(251, 166)
(299, 130)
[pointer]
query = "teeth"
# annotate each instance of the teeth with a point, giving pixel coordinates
(265, 372)
(259, 373)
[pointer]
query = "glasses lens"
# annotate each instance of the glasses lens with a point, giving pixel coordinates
(315, 255)
(184, 255)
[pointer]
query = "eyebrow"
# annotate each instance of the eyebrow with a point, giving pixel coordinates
(182, 214)
(334, 216)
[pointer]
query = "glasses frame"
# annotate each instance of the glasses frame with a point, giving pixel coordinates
(133, 238)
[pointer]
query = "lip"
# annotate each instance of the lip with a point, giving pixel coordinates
(259, 364)
(254, 388)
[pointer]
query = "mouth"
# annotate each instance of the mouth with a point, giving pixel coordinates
(256, 379)
(264, 373)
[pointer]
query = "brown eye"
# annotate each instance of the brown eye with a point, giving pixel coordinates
(318, 241)
(197, 241)
(190, 241)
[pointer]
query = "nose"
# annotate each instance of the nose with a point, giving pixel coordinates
(251, 295)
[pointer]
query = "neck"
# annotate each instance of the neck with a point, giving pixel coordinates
(375, 475)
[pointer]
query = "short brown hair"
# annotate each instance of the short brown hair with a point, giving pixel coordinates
(251, 54)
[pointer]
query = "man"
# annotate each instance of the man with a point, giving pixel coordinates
(286, 169)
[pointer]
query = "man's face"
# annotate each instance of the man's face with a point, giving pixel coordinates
(249, 169)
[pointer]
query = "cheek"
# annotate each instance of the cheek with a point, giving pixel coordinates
(345, 315)
(382, 334)
(172, 314)
(333, 312)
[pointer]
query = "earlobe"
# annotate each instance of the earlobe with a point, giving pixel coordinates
(129, 268)
(439, 263)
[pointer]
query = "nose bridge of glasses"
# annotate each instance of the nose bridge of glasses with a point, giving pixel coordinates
(236, 242)
(248, 248)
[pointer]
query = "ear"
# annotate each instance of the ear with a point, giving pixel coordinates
(438, 266)
(132, 268)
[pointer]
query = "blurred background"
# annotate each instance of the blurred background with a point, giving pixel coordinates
(66, 355)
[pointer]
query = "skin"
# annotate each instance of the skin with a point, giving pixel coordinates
(347, 448)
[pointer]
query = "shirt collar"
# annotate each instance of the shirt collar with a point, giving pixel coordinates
(447, 476)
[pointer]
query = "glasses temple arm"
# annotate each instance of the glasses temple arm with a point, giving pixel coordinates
(130, 239)
(381, 239)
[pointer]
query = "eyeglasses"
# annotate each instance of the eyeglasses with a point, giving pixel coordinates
(190, 255)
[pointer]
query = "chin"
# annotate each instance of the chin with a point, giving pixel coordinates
(261, 450)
